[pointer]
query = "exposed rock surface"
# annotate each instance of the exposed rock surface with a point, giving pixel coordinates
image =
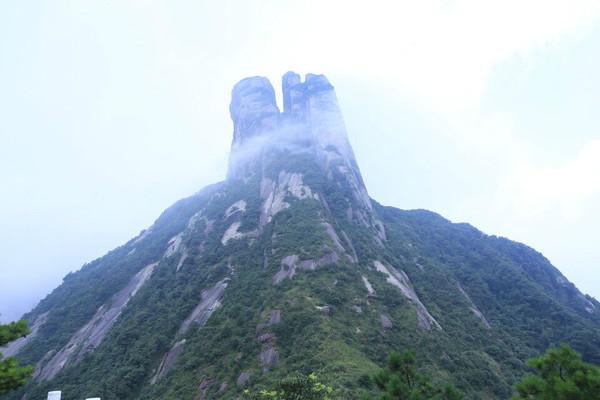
(294, 203)
(243, 379)
(290, 264)
(211, 301)
(13, 347)
(386, 321)
(233, 233)
(368, 286)
(91, 334)
(254, 112)
(334, 237)
(174, 245)
(353, 257)
(311, 121)
(275, 317)
(266, 337)
(325, 310)
(204, 388)
(184, 256)
(222, 388)
(274, 193)
(474, 308)
(399, 279)
(269, 357)
(168, 361)
(238, 206)
(288, 269)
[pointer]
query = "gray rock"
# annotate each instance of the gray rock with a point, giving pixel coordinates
(269, 357)
(243, 379)
(386, 322)
(275, 317)
(288, 269)
(398, 278)
(211, 301)
(266, 337)
(311, 119)
(290, 264)
(168, 361)
(253, 108)
(86, 339)
(353, 257)
(288, 81)
(328, 259)
(325, 310)
(42, 363)
(14, 347)
(222, 389)
(474, 309)
(203, 388)
(254, 112)
(335, 239)
(308, 265)
(368, 286)
(237, 207)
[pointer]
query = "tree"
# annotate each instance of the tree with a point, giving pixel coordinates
(560, 374)
(296, 387)
(11, 375)
(401, 381)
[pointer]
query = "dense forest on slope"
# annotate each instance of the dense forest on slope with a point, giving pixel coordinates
(289, 266)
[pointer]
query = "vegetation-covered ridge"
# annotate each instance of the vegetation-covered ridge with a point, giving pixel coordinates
(489, 296)
(289, 266)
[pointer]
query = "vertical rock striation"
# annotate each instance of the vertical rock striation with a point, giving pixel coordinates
(311, 124)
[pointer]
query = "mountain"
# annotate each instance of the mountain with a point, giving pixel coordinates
(289, 265)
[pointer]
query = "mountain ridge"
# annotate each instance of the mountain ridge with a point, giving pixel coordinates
(289, 265)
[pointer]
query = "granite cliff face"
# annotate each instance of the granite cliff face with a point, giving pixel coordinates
(288, 265)
(311, 124)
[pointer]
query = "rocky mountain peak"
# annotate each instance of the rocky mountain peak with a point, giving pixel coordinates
(253, 108)
(311, 120)
(267, 142)
(289, 266)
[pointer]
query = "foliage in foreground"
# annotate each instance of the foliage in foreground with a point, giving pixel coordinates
(297, 387)
(560, 374)
(401, 381)
(11, 375)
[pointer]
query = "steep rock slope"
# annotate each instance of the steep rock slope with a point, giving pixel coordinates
(289, 265)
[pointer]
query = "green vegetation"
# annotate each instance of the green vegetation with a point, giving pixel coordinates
(329, 323)
(560, 375)
(295, 387)
(11, 375)
(401, 381)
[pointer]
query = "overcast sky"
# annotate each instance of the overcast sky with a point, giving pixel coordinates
(110, 111)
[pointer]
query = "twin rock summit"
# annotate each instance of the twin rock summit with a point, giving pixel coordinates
(288, 265)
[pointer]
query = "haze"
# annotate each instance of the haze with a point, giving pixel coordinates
(111, 111)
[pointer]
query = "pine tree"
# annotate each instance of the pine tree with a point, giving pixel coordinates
(295, 387)
(560, 374)
(11, 375)
(401, 381)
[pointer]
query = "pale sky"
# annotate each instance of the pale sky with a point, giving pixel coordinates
(110, 111)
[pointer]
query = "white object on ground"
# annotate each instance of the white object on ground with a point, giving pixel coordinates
(55, 395)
